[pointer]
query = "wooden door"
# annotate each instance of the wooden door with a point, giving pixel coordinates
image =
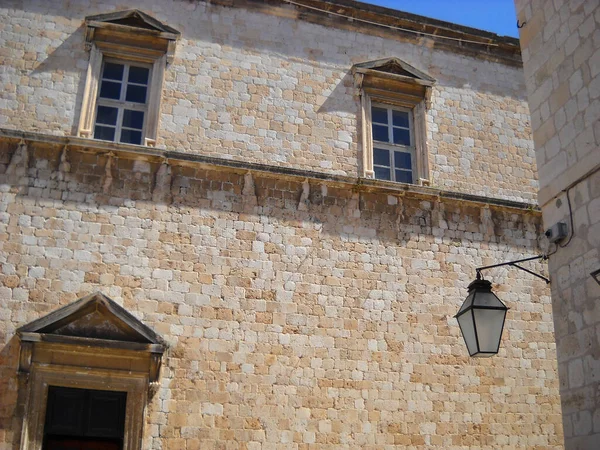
(84, 419)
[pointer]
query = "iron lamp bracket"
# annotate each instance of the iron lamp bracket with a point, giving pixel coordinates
(516, 264)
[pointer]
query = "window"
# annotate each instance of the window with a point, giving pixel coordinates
(394, 98)
(122, 102)
(129, 51)
(393, 151)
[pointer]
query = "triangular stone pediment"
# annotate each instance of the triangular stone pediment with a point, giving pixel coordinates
(395, 66)
(133, 18)
(95, 316)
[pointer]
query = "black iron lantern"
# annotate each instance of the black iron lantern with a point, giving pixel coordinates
(481, 319)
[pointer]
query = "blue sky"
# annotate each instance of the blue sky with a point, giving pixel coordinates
(497, 16)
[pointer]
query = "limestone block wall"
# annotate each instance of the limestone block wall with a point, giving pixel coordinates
(561, 53)
(267, 87)
(299, 314)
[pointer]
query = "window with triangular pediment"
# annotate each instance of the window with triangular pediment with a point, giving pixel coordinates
(129, 52)
(394, 100)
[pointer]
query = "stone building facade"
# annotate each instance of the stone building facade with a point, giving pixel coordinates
(247, 224)
(561, 56)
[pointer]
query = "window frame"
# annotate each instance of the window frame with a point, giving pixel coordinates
(417, 116)
(122, 104)
(395, 83)
(135, 385)
(392, 147)
(140, 39)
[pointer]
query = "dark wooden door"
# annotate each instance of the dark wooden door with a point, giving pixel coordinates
(84, 419)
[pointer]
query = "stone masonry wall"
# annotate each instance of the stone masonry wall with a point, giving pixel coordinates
(258, 87)
(561, 52)
(297, 317)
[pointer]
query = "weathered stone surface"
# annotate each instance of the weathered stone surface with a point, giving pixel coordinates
(561, 59)
(290, 327)
(249, 89)
(300, 312)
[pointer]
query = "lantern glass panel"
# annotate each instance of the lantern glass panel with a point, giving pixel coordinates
(467, 302)
(488, 299)
(489, 328)
(467, 327)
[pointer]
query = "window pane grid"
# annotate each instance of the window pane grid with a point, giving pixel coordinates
(392, 130)
(121, 105)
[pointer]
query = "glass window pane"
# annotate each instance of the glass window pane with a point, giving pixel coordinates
(110, 89)
(404, 176)
(131, 137)
(401, 136)
(379, 115)
(104, 133)
(400, 118)
(138, 75)
(133, 119)
(382, 173)
(107, 115)
(402, 160)
(113, 71)
(381, 157)
(380, 133)
(136, 94)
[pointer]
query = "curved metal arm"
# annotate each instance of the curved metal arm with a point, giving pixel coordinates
(515, 264)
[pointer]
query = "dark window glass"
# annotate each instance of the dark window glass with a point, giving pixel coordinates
(136, 93)
(379, 115)
(104, 133)
(113, 71)
(133, 119)
(401, 136)
(380, 133)
(138, 75)
(382, 173)
(107, 115)
(381, 157)
(400, 118)
(110, 89)
(131, 137)
(404, 176)
(402, 160)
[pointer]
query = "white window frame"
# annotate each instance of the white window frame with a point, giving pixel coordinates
(98, 55)
(122, 104)
(389, 145)
(417, 116)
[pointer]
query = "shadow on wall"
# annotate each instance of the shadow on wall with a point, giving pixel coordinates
(370, 215)
(60, 60)
(203, 23)
(337, 100)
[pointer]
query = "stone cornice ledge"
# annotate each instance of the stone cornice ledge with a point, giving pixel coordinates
(368, 18)
(173, 156)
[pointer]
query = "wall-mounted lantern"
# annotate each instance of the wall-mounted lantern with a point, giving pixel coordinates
(481, 316)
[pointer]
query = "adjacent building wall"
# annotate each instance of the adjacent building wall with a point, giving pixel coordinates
(561, 55)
